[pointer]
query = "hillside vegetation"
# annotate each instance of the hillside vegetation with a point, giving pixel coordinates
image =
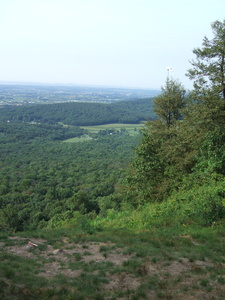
(81, 114)
(179, 166)
(121, 215)
(45, 179)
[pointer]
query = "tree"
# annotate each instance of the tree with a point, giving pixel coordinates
(178, 160)
(169, 103)
(157, 162)
(209, 67)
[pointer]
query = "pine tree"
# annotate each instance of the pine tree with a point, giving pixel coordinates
(169, 103)
(154, 174)
(208, 70)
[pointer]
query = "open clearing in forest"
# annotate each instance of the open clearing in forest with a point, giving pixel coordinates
(83, 138)
(131, 128)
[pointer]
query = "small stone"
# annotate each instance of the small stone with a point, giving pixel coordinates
(57, 251)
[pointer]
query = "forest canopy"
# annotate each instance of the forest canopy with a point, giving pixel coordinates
(175, 176)
(81, 114)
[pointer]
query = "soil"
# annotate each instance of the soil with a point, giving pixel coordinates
(57, 261)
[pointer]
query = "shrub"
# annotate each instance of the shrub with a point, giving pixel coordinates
(201, 205)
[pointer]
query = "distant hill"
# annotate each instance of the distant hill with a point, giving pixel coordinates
(19, 94)
(81, 113)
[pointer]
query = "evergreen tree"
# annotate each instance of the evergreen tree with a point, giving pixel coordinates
(209, 67)
(158, 160)
(169, 103)
(182, 161)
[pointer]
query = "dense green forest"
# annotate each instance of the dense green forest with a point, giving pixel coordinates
(24, 132)
(175, 175)
(122, 214)
(81, 114)
(43, 178)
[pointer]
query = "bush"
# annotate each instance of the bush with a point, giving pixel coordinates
(201, 205)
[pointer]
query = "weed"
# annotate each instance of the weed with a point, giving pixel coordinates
(86, 253)
(191, 259)
(204, 282)
(90, 283)
(198, 270)
(103, 248)
(132, 265)
(141, 253)
(221, 280)
(75, 265)
(142, 269)
(164, 295)
(155, 260)
(164, 264)
(43, 247)
(77, 256)
(152, 282)
(140, 293)
(102, 267)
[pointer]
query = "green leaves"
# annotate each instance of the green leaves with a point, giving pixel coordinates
(187, 141)
(158, 154)
(80, 113)
(169, 103)
(209, 67)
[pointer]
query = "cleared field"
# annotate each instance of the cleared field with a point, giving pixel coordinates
(131, 128)
(78, 139)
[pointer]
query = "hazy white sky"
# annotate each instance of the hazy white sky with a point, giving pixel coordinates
(103, 42)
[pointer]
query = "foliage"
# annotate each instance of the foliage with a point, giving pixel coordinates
(45, 182)
(202, 205)
(211, 156)
(81, 113)
(157, 166)
(148, 167)
(11, 132)
(169, 103)
(209, 67)
(177, 174)
(134, 264)
(174, 190)
(180, 161)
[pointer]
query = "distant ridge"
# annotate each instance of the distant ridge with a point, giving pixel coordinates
(76, 85)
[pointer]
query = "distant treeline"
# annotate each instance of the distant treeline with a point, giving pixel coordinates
(81, 114)
(11, 132)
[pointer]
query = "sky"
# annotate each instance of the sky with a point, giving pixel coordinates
(120, 43)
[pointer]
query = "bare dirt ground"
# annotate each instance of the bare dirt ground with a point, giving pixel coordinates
(56, 261)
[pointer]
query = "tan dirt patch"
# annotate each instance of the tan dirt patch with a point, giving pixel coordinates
(56, 262)
(122, 281)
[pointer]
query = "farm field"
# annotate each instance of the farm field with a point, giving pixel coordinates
(83, 138)
(131, 128)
